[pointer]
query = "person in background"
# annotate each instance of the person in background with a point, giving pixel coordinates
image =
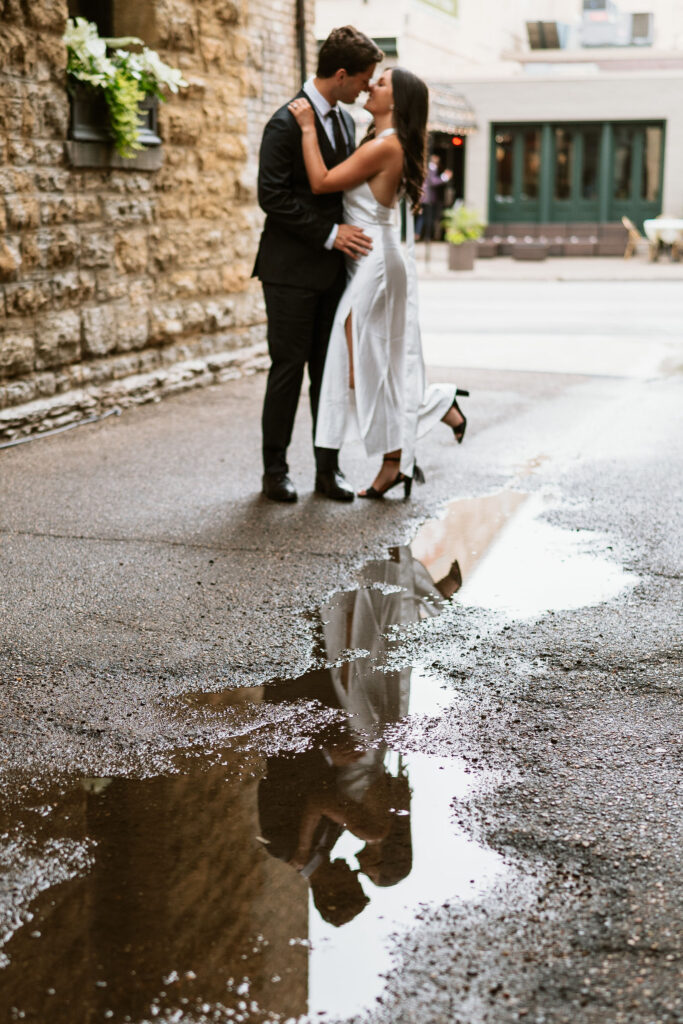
(429, 223)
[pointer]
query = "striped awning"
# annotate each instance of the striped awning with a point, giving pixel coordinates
(449, 110)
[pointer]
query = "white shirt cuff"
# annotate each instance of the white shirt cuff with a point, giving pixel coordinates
(331, 238)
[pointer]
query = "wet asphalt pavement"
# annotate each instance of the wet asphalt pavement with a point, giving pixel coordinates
(450, 793)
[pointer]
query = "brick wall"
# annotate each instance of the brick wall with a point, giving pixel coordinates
(121, 285)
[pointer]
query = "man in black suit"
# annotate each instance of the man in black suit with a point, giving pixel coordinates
(301, 255)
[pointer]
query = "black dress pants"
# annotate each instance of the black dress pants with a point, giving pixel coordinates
(299, 325)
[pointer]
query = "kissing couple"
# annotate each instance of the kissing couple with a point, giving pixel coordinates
(339, 294)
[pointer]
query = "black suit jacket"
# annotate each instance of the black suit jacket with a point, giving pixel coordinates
(292, 247)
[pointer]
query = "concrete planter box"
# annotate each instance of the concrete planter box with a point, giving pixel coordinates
(461, 257)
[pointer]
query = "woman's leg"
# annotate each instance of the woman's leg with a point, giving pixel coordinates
(349, 344)
(453, 418)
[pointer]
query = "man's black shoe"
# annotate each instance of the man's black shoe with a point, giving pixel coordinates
(332, 484)
(278, 487)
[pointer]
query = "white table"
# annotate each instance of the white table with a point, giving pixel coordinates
(665, 229)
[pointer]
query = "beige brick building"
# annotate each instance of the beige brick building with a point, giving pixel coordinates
(121, 281)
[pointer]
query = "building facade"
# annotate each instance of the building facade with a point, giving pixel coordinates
(123, 280)
(576, 103)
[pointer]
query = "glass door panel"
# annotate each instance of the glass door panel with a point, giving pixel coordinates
(576, 155)
(637, 172)
(531, 164)
(516, 168)
(504, 167)
(564, 161)
(590, 170)
(651, 176)
(624, 138)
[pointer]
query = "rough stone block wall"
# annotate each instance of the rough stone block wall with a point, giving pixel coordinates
(175, 857)
(119, 285)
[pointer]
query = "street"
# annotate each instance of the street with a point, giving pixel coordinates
(266, 763)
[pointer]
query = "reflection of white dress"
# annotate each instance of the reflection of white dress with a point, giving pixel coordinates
(372, 696)
(390, 407)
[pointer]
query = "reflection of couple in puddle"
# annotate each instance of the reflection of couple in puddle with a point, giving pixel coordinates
(306, 801)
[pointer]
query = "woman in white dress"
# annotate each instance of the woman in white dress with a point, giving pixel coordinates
(374, 381)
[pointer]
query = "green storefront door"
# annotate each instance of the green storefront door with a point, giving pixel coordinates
(637, 152)
(516, 160)
(576, 173)
(598, 171)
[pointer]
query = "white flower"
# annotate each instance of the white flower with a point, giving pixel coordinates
(163, 74)
(81, 36)
(88, 60)
(89, 51)
(131, 62)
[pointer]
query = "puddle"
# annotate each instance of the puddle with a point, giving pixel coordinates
(255, 884)
(261, 878)
(443, 861)
(515, 563)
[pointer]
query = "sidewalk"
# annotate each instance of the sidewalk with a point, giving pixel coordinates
(150, 594)
(433, 264)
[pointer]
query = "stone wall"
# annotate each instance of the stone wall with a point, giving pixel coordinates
(177, 882)
(119, 285)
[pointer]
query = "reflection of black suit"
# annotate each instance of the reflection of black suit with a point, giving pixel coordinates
(291, 778)
(302, 281)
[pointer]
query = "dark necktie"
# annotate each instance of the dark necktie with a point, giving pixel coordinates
(339, 140)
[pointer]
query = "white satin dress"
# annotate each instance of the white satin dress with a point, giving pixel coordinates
(390, 406)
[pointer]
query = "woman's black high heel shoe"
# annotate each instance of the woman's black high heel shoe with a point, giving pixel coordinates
(401, 478)
(459, 431)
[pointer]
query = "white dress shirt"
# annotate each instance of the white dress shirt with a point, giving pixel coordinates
(322, 108)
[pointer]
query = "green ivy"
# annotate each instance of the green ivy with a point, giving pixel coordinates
(124, 97)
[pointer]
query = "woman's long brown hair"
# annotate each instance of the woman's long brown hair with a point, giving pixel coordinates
(411, 107)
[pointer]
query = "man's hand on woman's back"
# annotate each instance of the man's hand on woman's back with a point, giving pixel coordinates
(352, 241)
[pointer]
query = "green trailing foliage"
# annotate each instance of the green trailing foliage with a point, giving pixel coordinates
(462, 224)
(124, 97)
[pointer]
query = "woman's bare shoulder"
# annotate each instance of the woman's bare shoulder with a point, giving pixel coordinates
(389, 147)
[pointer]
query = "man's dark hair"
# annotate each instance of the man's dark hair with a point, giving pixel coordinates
(349, 49)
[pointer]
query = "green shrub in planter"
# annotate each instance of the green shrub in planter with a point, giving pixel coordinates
(463, 227)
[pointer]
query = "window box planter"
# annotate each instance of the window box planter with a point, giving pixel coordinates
(90, 116)
(90, 141)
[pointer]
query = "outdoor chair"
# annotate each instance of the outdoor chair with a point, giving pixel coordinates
(636, 240)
